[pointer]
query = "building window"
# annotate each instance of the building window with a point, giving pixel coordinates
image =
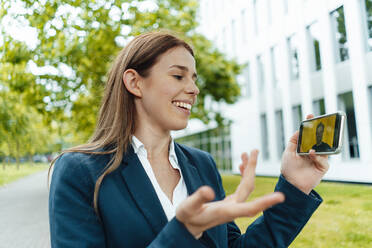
(338, 22)
(264, 137)
(346, 104)
(285, 6)
(260, 73)
(255, 18)
(293, 57)
(319, 107)
(216, 141)
(313, 32)
(246, 89)
(279, 132)
(274, 65)
(297, 116)
(224, 39)
(233, 37)
(368, 8)
(243, 25)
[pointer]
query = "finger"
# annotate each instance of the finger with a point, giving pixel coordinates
(292, 144)
(244, 158)
(244, 163)
(321, 162)
(309, 116)
(251, 163)
(193, 204)
(246, 185)
(241, 169)
(313, 155)
(249, 209)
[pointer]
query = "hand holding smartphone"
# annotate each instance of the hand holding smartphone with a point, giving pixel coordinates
(323, 134)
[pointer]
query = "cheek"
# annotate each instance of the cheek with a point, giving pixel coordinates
(170, 90)
(158, 100)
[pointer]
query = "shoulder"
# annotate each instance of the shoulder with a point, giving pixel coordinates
(80, 166)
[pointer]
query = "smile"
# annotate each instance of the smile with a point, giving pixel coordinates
(182, 105)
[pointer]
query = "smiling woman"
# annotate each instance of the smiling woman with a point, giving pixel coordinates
(131, 185)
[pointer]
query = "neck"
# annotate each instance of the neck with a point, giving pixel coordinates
(155, 141)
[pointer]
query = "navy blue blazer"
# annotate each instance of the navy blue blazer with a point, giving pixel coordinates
(132, 216)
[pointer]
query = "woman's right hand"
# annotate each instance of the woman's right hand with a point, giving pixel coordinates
(198, 213)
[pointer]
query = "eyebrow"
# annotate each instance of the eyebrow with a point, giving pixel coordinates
(184, 68)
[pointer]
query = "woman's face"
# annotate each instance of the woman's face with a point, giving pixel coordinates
(169, 91)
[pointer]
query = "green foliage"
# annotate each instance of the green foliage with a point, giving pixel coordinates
(22, 132)
(80, 39)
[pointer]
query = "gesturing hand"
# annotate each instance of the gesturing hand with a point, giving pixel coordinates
(304, 172)
(198, 213)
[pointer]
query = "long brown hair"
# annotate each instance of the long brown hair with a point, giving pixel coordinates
(116, 120)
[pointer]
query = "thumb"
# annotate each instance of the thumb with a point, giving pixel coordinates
(193, 204)
(292, 144)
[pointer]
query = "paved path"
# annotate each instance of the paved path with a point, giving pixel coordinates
(24, 213)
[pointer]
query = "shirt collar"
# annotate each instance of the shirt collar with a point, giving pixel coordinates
(172, 155)
(140, 149)
(137, 144)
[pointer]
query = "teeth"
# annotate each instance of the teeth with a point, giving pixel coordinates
(183, 105)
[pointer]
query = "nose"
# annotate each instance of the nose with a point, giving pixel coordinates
(192, 88)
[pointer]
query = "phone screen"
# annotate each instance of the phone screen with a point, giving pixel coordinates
(321, 134)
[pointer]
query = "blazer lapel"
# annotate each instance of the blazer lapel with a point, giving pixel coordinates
(193, 182)
(189, 171)
(142, 191)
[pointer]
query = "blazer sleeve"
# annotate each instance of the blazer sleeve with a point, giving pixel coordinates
(73, 222)
(280, 224)
(175, 234)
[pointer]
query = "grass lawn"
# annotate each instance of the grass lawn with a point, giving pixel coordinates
(10, 173)
(344, 219)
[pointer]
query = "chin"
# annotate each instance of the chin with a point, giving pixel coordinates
(179, 126)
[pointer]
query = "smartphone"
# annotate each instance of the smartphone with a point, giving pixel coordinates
(323, 134)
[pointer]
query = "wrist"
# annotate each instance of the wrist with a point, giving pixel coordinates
(298, 185)
(194, 231)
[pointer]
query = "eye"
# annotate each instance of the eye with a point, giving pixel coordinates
(178, 77)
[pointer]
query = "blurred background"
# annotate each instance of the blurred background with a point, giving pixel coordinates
(300, 57)
(263, 65)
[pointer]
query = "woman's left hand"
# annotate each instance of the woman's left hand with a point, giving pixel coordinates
(304, 172)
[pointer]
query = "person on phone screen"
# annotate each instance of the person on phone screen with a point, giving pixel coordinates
(320, 146)
(132, 185)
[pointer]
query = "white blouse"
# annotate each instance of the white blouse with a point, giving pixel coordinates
(179, 192)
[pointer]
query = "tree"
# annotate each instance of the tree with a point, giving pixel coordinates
(13, 124)
(22, 129)
(80, 39)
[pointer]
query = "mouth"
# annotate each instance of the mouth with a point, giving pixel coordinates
(182, 106)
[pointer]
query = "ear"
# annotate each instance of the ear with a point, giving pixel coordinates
(132, 80)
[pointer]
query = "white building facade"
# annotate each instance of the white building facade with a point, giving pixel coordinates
(302, 56)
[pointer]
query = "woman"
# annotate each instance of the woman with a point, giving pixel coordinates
(133, 186)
